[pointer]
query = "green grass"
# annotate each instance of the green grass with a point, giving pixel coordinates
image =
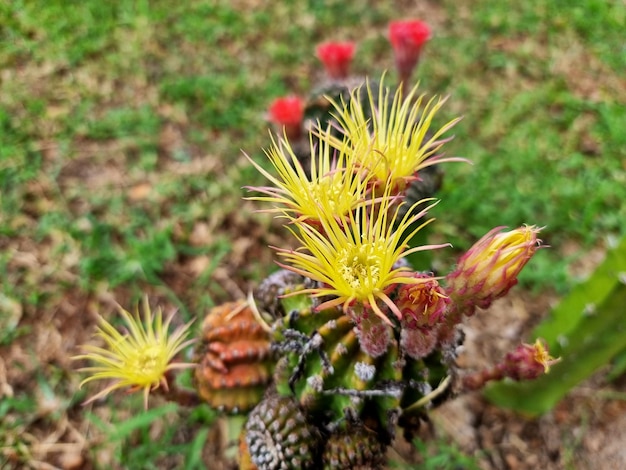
(122, 124)
(442, 455)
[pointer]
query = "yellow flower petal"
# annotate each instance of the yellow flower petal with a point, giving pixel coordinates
(389, 136)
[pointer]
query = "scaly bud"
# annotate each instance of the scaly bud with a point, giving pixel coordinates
(373, 333)
(490, 268)
(336, 57)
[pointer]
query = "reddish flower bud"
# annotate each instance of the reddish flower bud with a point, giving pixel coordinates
(422, 305)
(288, 111)
(336, 57)
(490, 268)
(528, 361)
(407, 39)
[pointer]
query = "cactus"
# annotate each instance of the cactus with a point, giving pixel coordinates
(353, 448)
(234, 358)
(278, 437)
(366, 344)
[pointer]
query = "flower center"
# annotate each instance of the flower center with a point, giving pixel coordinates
(332, 190)
(360, 267)
(148, 362)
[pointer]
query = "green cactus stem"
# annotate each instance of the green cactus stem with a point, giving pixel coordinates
(583, 300)
(337, 382)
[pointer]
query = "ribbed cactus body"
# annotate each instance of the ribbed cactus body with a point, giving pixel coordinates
(278, 436)
(324, 367)
(235, 363)
(318, 107)
(354, 448)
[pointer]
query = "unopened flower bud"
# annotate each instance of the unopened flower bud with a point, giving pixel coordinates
(373, 333)
(422, 306)
(336, 57)
(490, 268)
(528, 361)
(418, 343)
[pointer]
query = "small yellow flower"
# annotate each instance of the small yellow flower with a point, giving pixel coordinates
(332, 189)
(354, 260)
(393, 143)
(542, 355)
(138, 359)
(528, 361)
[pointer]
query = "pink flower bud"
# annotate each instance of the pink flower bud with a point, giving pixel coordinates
(528, 361)
(336, 57)
(407, 39)
(373, 333)
(288, 111)
(490, 268)
(418, 343)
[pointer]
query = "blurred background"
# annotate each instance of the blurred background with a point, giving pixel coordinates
(122, 126)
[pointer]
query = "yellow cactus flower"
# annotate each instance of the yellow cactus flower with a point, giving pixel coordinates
(332, 189)
(138, 359)
(355, 261)
(390, 137)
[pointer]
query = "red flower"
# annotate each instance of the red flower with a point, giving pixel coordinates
(336, 57)
(287, 110)
(408, 34)
(407, 38)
